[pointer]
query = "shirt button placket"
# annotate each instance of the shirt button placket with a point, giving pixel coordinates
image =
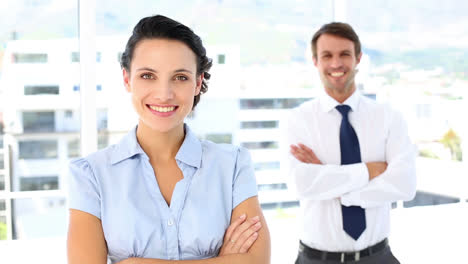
(172, 239)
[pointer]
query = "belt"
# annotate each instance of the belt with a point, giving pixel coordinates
(342, 256)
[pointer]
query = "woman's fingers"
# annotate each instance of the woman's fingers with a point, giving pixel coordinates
(244, 242)
(243, 232)
(248, 243)
(232, 227)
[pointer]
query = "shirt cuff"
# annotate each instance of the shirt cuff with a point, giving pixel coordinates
(359, 174)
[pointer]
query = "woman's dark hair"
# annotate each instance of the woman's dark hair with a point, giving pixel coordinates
(339, 29)
(161, 27)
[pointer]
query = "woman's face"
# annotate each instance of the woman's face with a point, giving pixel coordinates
(163, 82)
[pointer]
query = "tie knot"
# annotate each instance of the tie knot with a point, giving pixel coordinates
(343, 109)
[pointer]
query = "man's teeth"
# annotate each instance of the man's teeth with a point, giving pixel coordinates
(162, 109)
(337, 74)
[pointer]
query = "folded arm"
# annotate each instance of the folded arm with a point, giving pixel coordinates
(312, 179)
(245, 242)
(258, 253)
(398, 182)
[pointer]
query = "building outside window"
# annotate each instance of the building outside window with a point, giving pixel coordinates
(34, 122)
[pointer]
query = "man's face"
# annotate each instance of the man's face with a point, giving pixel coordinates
(336, 62)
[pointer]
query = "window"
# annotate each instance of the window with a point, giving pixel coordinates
(221, 59)
(38, 183)
(425, 198)
(76, 88)
(38, 122)
(3, 226)
(101, 118)
(75, 56)
(29, 58)
(259, 124)
(41, 89)
(2, 182)
(219, 138)
(103, 141)
(260, 145)
(38, 149)
(274, 165)
(68, 114)
(277, 103)
(271, 187)
(74, 148)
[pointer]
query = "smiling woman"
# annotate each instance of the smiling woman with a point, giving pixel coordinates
(146, 199)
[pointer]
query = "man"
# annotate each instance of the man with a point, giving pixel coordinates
(349, 159)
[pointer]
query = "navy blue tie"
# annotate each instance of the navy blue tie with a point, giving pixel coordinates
(354, 217)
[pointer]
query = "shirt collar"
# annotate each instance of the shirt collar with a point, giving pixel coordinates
(190, 151)
(126, 148)
(327, 103)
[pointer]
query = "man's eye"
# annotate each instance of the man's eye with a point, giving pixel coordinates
(147, 76)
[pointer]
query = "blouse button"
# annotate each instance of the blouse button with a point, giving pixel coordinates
(170, 222)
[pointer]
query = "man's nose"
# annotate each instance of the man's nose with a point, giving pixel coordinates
(336, 62)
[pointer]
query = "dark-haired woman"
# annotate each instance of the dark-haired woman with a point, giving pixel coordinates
(161, 195)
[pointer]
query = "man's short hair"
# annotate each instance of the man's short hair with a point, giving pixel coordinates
(338, 29)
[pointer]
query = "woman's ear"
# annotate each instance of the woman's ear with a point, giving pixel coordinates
(199, 83)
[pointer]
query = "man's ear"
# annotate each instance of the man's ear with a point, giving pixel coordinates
(358, 58)
(314, 59)
(126, 79)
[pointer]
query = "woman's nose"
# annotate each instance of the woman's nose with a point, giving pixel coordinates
(164, 91)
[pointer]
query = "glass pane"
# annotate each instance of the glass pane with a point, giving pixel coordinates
(259, 124)
(38, 149)
(260, 145)
(2, 182)
(50, 214)
(42, 183)
(219, 138)
(3, 226)
(40, 89)
(74, 148)
(38, 122)
(29, 58)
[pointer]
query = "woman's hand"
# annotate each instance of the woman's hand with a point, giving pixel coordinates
(240, 235)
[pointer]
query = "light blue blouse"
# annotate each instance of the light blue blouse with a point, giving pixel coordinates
(118, 185)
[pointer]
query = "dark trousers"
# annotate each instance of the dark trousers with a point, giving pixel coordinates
(384, 256)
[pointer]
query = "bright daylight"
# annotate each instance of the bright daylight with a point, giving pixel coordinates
(64, 95)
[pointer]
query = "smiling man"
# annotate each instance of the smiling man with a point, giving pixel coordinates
(348, 158)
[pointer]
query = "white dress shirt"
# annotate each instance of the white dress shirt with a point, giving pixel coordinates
(321, 189)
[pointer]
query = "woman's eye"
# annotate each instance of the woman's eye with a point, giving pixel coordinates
(181, 78)
(147, 76)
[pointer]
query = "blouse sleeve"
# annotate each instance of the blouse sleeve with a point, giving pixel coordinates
(244, 184)
(84, 188)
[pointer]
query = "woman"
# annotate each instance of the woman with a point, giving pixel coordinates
(161, 195)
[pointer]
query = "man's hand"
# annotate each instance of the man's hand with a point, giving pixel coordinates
(240, 235)
(376, 168)
(304, 154)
